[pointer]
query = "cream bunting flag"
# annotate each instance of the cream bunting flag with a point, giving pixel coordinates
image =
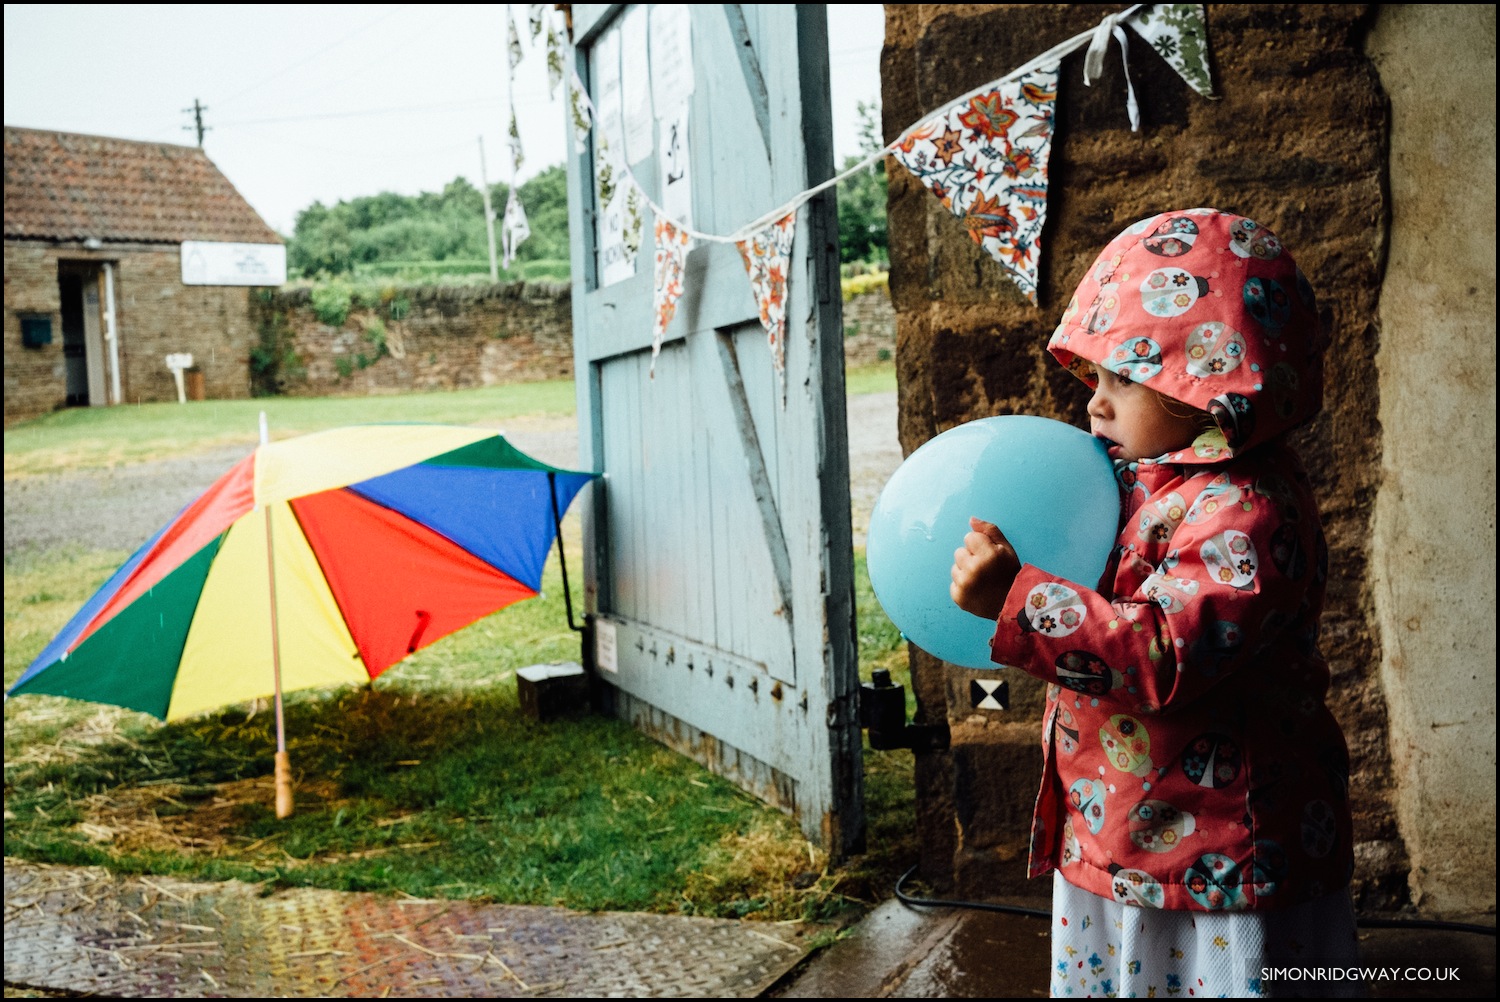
(986, 159)
(671, 259)
(515, 228)
(765, 254)
(1179, 34)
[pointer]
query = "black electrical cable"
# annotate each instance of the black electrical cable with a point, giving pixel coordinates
(1364, 923)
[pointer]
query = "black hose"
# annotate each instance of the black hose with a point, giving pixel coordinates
(1364, 923)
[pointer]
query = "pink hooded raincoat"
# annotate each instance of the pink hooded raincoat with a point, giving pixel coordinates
(1191, 762)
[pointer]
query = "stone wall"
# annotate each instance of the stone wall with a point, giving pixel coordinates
(156, 315)
(435, 338)
(401, 339)
(869, 328)
(1298, 142)
(1434, 529)
(449, 338)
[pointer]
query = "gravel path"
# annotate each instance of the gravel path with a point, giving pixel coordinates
(119, 509)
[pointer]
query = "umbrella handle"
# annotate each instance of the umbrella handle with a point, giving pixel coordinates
(283, 784)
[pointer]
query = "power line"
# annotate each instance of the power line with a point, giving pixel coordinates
(304, 61)
(364, 113)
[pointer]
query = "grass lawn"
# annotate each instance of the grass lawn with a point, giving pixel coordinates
(430, 781)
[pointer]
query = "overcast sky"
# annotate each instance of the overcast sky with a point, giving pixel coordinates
(326, 101)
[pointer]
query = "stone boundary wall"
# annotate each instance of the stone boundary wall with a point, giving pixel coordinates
(438, 338)
(434, 338)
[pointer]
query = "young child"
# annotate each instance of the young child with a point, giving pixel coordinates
(1194, 803)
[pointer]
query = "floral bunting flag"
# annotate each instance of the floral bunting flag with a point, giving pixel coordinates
(515, 227)
(765, 255)
(635, 220)
(513, 140)
(554, 61)
(671, 258)
(538, 15)
(986, 159)
(513, 45)
(1179, 34)
(578, 107)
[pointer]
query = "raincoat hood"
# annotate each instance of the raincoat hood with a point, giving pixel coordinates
(1208, 308)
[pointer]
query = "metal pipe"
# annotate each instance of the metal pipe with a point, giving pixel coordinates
(562, 557)
(111, 335)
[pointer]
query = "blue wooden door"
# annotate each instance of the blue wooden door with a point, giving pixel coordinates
(718, 555)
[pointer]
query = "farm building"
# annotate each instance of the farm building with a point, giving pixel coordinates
(119, 254)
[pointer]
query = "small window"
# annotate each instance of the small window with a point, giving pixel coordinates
(36, 330)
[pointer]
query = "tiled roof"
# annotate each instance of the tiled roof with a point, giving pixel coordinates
(64, 186)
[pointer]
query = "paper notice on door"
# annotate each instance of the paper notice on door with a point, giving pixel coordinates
(616, 263)
(676, 187)
(606, 651)
(635, 86)
(671, 54)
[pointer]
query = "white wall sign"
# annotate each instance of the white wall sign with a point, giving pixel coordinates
(606, 651)
(207, 262)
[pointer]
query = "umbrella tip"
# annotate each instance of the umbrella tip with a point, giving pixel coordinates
(265, 430)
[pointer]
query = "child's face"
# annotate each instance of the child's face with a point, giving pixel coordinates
(1131, 418)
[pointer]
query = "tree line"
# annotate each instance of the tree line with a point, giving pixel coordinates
(443, 232)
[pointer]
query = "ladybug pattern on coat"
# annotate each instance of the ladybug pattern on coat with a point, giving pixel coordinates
(1156, 826)
(1211, 760)
(1171, 292)
(1136, 887)
(1191, 760)
(1213, 349)
(1173, 238)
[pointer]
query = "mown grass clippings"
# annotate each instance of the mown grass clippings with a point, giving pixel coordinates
(430, 782)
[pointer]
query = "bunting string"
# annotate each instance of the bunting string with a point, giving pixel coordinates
(584, 114)
(983, 154)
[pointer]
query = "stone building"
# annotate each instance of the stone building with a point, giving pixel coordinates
(1364, 136)
(95, 297)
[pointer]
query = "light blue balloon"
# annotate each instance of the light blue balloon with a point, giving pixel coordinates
(1049, 487)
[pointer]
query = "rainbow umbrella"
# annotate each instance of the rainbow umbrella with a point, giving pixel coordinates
(315, 561)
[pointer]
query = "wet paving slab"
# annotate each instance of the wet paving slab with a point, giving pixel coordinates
(85, 930)
(899, 951)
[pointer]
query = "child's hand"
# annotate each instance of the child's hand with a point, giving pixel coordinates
(983, 570)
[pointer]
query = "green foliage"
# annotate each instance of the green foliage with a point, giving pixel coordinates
(274, 361)
(331, 301)
(858, 285)
(863, 232)
(390, 234)
(375, 333)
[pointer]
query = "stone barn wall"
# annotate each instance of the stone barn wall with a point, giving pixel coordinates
(157, 315)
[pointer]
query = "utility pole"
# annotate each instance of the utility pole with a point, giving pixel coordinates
(198, 109)
(489, 212)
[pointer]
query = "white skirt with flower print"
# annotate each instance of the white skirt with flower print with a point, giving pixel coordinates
(1103, 948)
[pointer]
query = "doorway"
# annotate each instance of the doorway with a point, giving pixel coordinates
(82, 333)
